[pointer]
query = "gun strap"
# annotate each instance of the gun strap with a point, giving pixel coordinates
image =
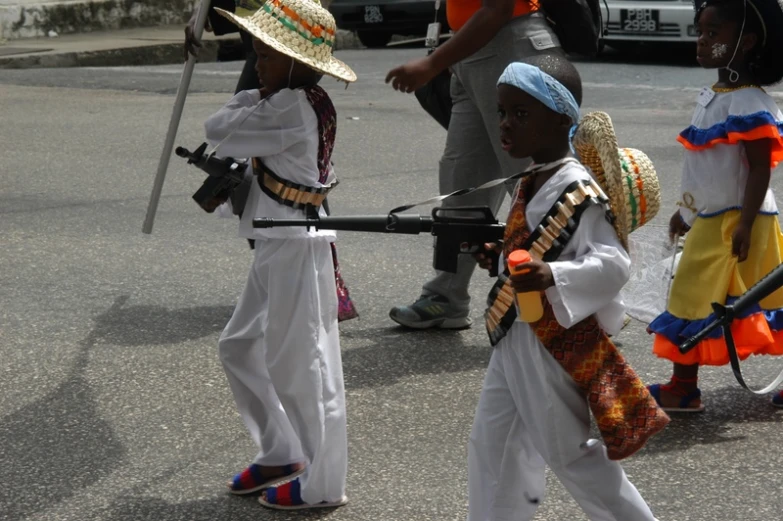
(546, 242)
(489, 184)
(295, 195)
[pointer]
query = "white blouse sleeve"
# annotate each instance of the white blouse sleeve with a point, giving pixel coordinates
(252, 127)
(595, 276)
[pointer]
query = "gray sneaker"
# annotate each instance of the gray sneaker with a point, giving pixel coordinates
(430, 312)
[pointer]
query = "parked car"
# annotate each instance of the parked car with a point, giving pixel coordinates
(376, 21)
(630, 22)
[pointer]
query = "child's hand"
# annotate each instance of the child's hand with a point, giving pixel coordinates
(677, 226)
(536, 276)
(740, 242)
(486, 260)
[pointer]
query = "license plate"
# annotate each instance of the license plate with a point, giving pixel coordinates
(372, 14)
(639, 20)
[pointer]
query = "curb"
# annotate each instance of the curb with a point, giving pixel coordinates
(159, 54)
(154, 54)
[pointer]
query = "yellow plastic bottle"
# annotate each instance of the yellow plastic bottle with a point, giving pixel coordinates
(529, 303)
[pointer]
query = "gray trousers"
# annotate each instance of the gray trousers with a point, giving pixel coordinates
(473, 154)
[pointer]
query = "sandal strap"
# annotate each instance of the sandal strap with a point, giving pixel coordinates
(287, 495)
(253, 477)
(249, 478)
(688, 398)
(676, 387)
(655, 392)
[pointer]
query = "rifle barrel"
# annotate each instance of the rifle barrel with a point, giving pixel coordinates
(758, 292)
(761, 290)
(391, 223)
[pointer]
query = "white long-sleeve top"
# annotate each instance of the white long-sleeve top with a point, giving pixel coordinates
(281, 130)
(593, 267)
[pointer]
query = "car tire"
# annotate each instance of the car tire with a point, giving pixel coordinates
(374, 39)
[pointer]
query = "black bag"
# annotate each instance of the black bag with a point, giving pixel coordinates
(435, 98)
(577, 24)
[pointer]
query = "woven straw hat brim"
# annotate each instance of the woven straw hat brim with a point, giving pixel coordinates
(626, 175)
(333, 67)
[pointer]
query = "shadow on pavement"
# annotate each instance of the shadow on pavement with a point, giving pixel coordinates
(156, 325)
(235, 509)
(389, 354)
(59, 444)
(726, 408)
(56, 445)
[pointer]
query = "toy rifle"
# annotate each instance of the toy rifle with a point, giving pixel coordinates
(226, 175)
(725, 314)
(457, 230)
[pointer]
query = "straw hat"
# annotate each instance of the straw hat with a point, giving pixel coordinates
(301, 29)
(626, 175)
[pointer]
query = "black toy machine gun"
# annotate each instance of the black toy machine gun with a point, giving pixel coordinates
(225, 176)
(457, 230)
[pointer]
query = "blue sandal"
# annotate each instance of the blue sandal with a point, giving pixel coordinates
(655, 391)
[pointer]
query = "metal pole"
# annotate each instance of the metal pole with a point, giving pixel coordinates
(179, 103)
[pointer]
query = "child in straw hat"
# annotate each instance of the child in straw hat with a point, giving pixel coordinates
(727, 208)
(281, 349)
(544, 378)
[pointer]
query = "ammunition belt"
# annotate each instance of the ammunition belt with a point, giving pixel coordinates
(287, 192)
(546, 242)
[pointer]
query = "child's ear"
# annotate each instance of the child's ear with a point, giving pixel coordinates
(749, 41)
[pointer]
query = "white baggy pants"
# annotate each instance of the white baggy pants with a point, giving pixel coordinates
(532, 414)
(281, 354)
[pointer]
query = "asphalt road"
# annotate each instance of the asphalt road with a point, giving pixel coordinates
(113, 405)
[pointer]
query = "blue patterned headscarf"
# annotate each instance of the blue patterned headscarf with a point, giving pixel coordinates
(546, 89)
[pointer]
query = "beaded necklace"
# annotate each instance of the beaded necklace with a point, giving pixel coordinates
(732, 89)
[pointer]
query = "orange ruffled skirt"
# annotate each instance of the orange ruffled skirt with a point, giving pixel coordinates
(708, 273)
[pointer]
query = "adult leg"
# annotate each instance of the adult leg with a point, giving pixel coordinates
(556, 415)
(468, 160)
(506, 476)
(474, 156)
(305, 362)
(242, 350)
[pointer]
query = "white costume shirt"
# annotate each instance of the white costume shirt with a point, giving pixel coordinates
(282, 130)
(593, 267)
(716, 167)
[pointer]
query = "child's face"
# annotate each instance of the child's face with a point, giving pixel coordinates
(718, 39)
(272, 67)
(527, 127)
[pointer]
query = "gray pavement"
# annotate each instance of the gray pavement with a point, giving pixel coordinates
(113, 405)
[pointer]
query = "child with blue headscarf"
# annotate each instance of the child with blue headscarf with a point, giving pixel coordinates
(545, 378)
